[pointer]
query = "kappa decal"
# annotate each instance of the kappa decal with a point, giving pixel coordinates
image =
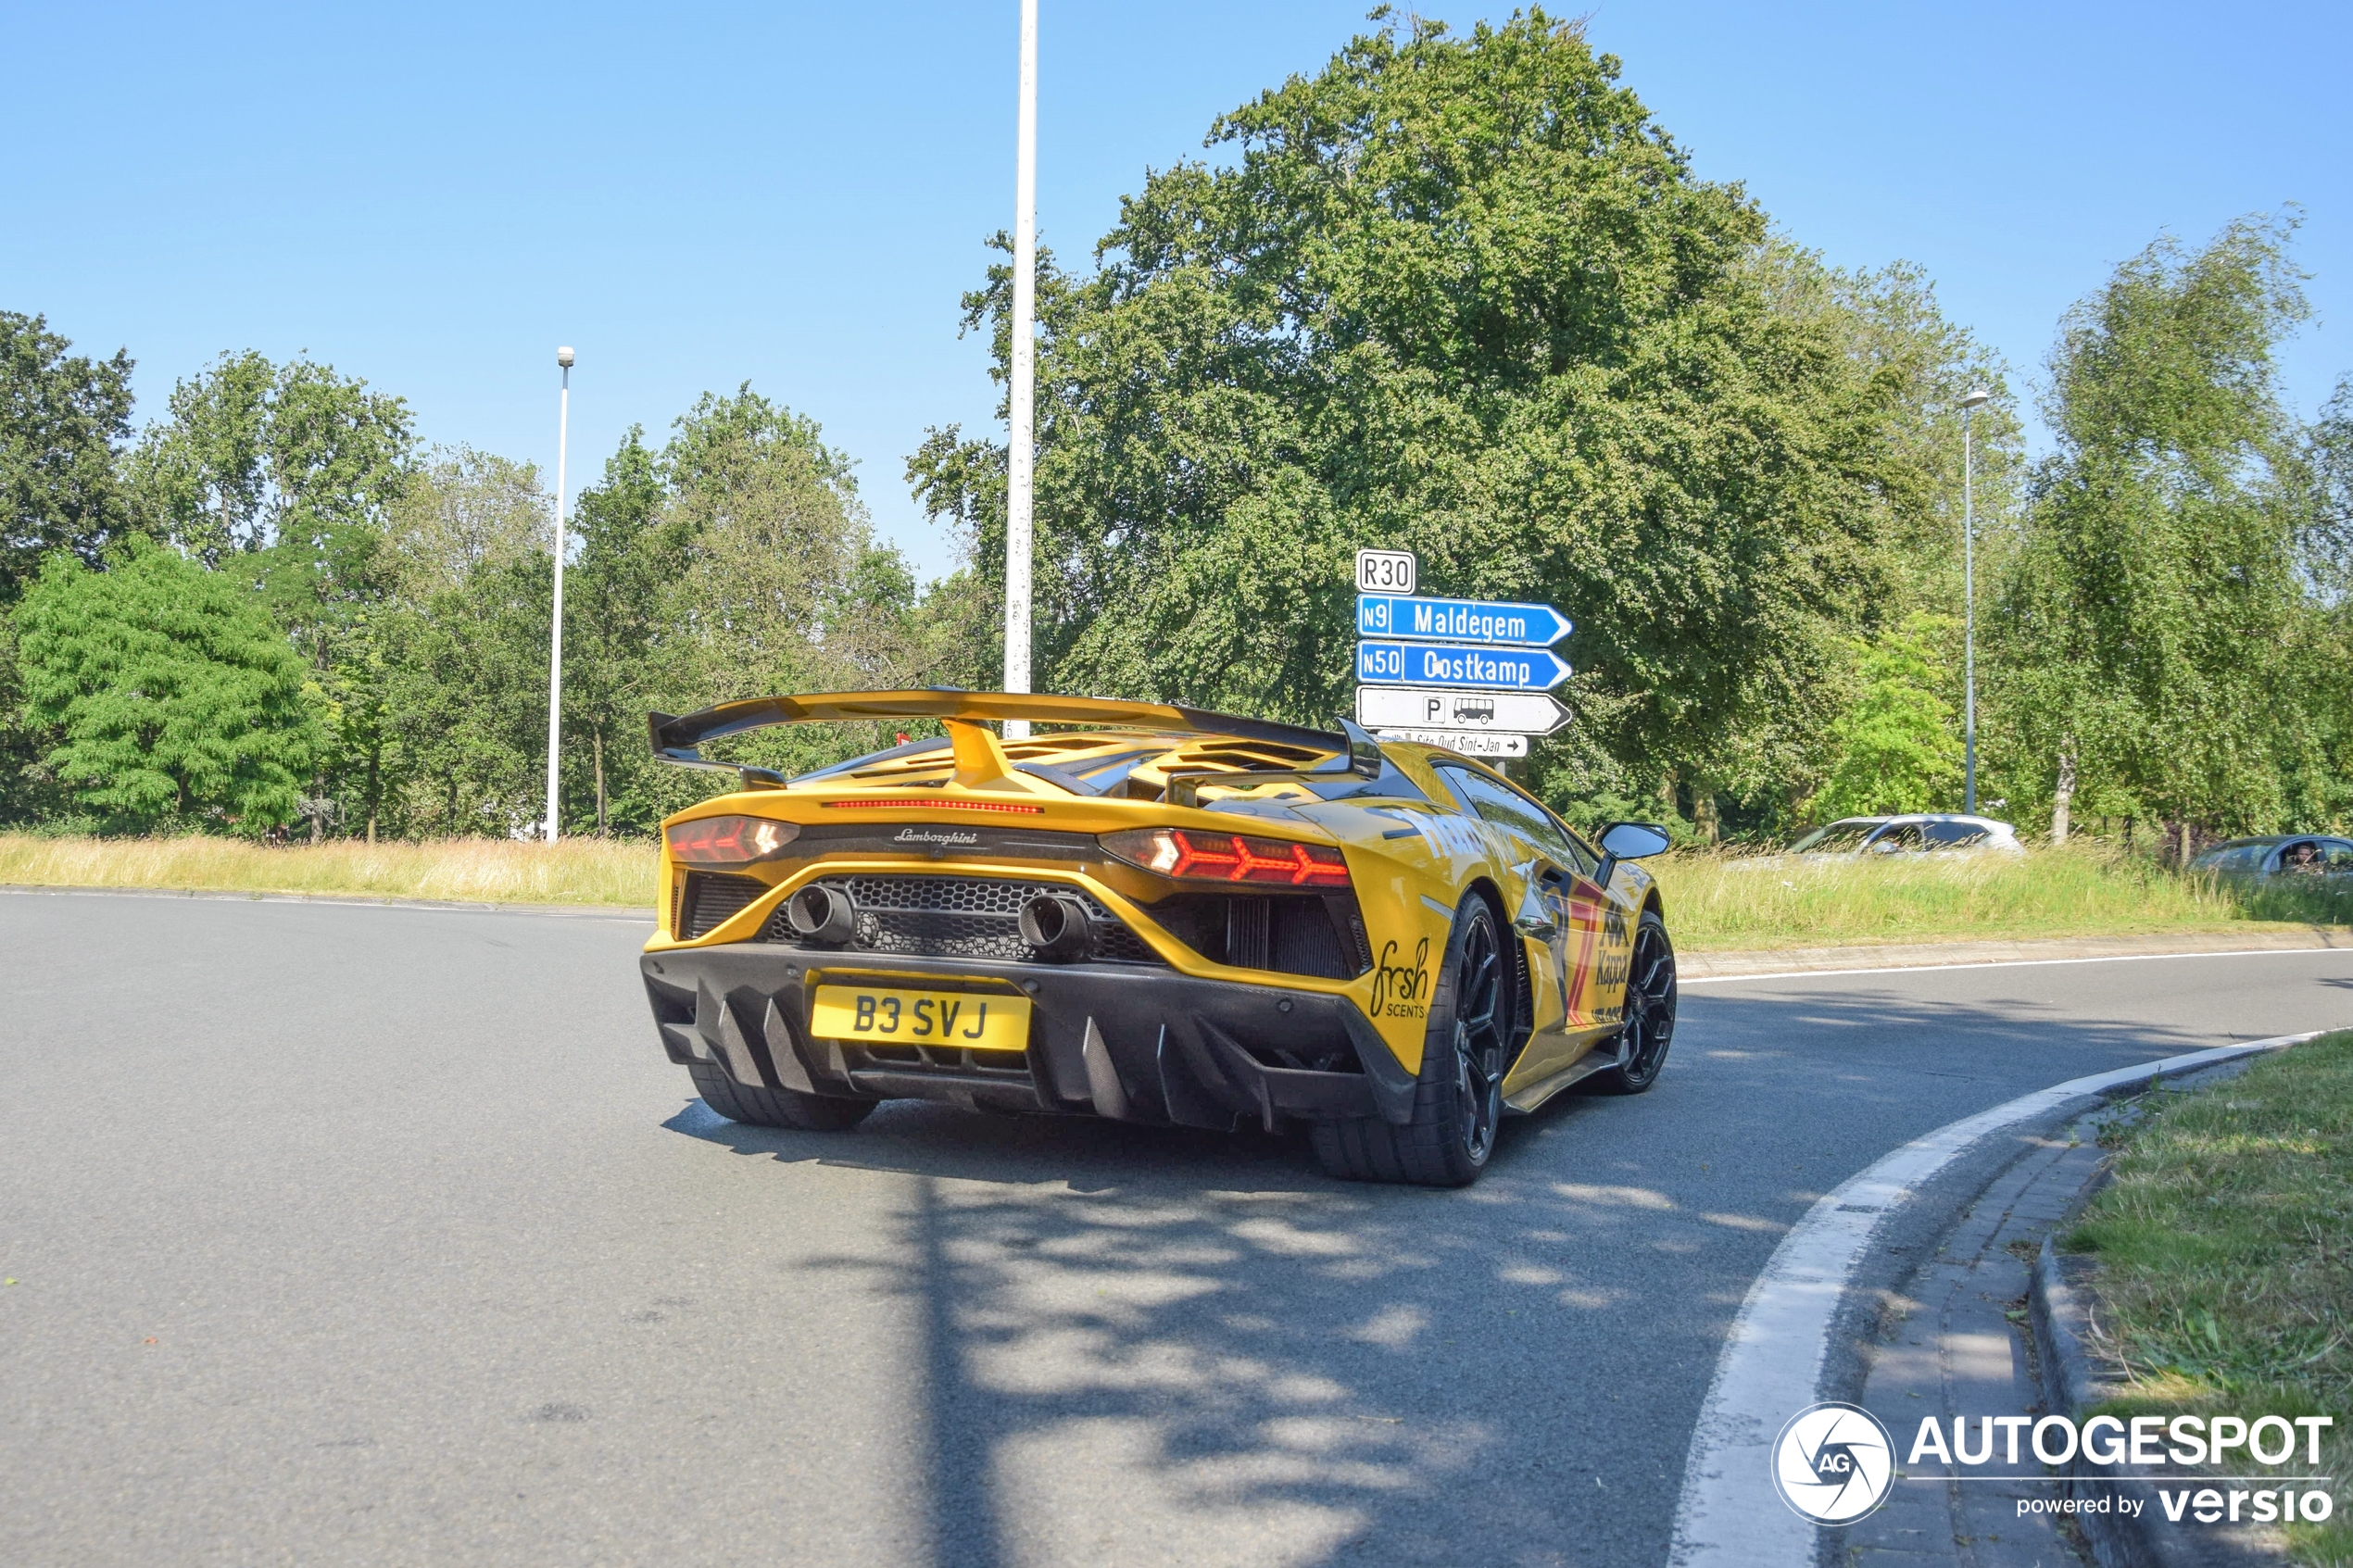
(1399, 990)
(1602, 952)
(1618, 954)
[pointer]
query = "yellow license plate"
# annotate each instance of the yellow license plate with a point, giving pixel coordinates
(977, 1021)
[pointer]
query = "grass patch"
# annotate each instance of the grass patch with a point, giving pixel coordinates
(1716, 902)
(578, 871)
(2226, 1244)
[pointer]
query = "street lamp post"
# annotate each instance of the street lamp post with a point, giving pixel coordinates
(1976, 399)
(1021, 391)
(555, 631)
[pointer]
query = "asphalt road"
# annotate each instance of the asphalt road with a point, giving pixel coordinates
(386, 1235)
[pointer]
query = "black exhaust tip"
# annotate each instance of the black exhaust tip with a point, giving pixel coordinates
(1056, 926)
(818, 913)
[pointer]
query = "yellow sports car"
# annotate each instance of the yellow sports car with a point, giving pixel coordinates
(1153, 914)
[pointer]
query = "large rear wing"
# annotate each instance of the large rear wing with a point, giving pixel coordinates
(679, 738)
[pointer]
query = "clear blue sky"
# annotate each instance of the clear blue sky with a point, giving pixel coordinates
(433, 196)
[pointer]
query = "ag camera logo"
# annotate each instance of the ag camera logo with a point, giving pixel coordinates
(1833, 1464)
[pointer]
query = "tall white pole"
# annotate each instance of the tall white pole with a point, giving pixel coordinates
(556, 631)
(1974, 399)
(1022, 392)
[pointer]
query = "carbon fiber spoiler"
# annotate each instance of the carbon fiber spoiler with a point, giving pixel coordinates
(679, 738)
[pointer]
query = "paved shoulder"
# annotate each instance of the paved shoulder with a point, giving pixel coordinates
(2235, 941)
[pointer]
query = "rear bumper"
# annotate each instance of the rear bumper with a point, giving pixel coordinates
(1134, 1043)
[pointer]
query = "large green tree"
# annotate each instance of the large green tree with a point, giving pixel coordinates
(2321, 786)
(438, 669)
(465, 706)
(738, 560)
(255, 454)
(63, 416)
(1894, 747)
(173, 695)
(632, 549)
(2325, 547)
(284, 476)
(1464, 296)
(2154, 645)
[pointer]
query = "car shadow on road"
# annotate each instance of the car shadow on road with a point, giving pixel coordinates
(1159, 1344)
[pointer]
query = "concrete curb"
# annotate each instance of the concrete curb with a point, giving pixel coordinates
(354, 900)
(1775, 1360)
(2059, 1307)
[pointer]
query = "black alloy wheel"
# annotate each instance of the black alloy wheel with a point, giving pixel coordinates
(1477, 1043)
(1649, 1026)
(1459, 1099)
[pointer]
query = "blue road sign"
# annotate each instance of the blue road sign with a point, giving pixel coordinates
(1460, 620)
(1444, 664)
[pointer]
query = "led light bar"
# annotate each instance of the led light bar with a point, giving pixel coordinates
(1191, 855)
(933, 803)
(729, 841)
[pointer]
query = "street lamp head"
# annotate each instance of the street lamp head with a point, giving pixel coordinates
(1976, 398)
(563, 357)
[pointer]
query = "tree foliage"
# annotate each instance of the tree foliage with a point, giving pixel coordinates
(62, 417)
(174, 695)
(2158, 627)
(740, 561)
(1895, 746)
(1461, 293)
(2325, 547)
(256, 455)
(1466, 295)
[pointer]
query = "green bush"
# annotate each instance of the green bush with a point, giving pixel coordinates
(176, 699)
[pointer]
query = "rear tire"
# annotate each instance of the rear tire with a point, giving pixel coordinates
(1649, 1028)
(764, 1107)
(1458, 1100)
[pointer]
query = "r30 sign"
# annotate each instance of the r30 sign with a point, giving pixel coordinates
(1384, 571)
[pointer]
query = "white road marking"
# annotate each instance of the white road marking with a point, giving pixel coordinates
(2002, 963)
(1729, 1516)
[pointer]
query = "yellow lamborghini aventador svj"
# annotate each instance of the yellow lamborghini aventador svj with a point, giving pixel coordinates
(1153, 914)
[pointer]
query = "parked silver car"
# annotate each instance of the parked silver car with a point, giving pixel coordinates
(2278, 854)
(1925, 833)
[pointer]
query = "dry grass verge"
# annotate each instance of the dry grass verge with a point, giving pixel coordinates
(1715, 902)
(1718, 902)
(2226, 1249)
(580, 871)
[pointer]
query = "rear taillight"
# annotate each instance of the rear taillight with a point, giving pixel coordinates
(1193, 856)
(729, 841)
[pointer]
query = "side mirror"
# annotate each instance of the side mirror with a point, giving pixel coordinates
(1634, 841)
(1629, 841)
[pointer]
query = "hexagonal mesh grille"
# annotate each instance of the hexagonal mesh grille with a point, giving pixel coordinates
(946, 894)
(960, 917)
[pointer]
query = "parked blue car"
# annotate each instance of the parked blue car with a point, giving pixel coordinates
(2280, 855)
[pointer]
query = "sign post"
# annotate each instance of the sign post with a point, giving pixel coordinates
(1472, 675)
